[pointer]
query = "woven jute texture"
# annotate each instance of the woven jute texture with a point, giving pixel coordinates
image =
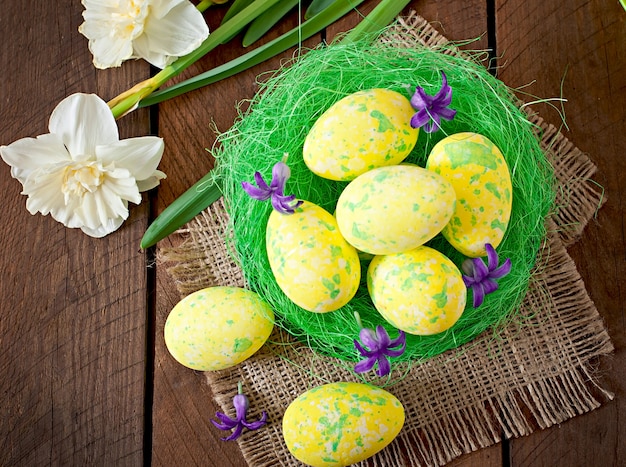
(535, 372)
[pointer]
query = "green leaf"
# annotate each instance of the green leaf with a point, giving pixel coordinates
(383, 14)
(235, 8)
(222, 33)
(316, 6)
(207, 190)
(267, 20)
(188, 205)
(217, 37)
(258, 55)
(269, 4)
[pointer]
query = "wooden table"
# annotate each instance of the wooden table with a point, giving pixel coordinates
(85, 378)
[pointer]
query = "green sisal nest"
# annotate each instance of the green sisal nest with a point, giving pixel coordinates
(277, 122)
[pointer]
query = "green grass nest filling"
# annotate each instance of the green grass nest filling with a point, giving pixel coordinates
(277, 122)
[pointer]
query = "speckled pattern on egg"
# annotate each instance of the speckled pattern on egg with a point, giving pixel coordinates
(312, 263)
(480, 176)
(394, 209)
(420, 291)
(338, 424)
(217, 327)
(362, 131)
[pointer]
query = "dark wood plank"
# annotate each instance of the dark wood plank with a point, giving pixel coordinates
(72, 319)
(582, 44)
(73, 316)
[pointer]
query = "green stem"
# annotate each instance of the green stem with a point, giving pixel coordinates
(383, 14)
(127, 101)
(204, 5)
(267, 20)
(208, 190)
(260, 54)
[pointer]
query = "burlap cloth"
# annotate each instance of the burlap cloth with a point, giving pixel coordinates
(532, 374)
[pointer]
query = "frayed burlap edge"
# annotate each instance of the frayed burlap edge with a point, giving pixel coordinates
(534, 373)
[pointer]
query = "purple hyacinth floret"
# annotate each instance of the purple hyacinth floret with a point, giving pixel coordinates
(241, 404)
(377, 347)
(275, 190)
(431, 109)
(481, 277)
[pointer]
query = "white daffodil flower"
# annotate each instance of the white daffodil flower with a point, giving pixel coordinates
(159, 31)
(81, 173)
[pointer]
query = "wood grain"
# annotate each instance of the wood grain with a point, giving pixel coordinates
(577, 50)
(72, 325)
(85, 375)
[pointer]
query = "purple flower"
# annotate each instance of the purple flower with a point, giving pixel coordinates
(378, 347)
(431, 109)
(275, 190)
(240, 401)
(482, 277)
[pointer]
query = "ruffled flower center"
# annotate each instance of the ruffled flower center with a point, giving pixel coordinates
(130, 18)
(80, 178)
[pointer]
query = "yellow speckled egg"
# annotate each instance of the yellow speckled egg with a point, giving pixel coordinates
(480, 176)
(420, 291)
(394, 209)
(217, 327)
(362, 131)
(312, 263)
(338, 424)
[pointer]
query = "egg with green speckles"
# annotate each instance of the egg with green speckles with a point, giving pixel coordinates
(419, 291)
(217, 327)
(481, 179)
(312, 263)
(394, 209)
(338, 424)
(362, 131)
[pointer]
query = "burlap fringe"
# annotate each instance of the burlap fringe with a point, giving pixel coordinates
(533, 374)
(536, 372)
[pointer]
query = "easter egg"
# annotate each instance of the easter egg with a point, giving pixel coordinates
(480, 176)
(362, 131)
(338, 424)
(313, 264)
(420, 291)
(394, 209)
(217, 327)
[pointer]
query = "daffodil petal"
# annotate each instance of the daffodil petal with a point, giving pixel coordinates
(142, 49)
(81, 173)
(82, 122)
(111, 27)
(140, 156)
(42, 189)
(110, 52)
(29, 154)
(122, 185)
(45, 197)
(104, 211)
(177, 33)
(104, 230)
(151, 182)
(160, 8)
(93, 212)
